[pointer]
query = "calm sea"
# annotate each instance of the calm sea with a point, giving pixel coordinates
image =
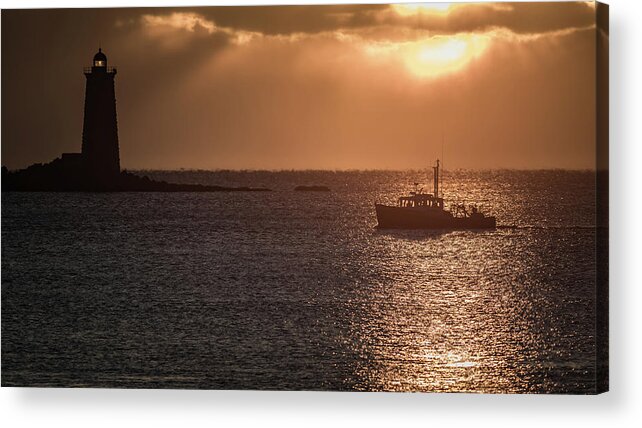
(298, 290)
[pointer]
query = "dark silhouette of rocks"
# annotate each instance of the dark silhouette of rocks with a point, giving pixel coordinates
(71, 174)
(97, 167)
(312, 189)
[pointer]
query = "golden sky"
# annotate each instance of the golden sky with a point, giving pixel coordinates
(504, 85)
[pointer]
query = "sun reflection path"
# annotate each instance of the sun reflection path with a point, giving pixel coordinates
(439, 322)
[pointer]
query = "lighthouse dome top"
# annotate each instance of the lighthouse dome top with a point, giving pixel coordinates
(100, 59)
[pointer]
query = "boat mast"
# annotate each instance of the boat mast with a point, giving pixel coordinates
(442, 157)
(436, 179)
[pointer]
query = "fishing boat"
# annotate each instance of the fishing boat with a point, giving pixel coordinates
(426, 211)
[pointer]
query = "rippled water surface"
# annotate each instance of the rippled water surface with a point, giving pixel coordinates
(298, 290)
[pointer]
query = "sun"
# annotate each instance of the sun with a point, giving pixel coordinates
(442, 55)
(432, 57)
(447, 51)
(417, 8)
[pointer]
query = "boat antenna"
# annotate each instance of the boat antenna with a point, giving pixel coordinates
(442, 159)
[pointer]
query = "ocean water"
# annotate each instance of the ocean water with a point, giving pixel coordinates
(298, 290)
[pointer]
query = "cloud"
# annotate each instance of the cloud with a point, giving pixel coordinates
(286, 20)
(453, 18)
(166, 26)
(179, 20)
(418, 33)
(471, 17)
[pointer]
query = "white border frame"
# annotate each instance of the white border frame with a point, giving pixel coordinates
(619, 407)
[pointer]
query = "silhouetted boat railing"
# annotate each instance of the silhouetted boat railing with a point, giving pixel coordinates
(547, 227)
(110, 69)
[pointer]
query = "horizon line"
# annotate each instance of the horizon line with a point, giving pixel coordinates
(183, 169)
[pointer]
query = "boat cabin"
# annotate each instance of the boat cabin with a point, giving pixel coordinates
(421, 200)
(418, 198)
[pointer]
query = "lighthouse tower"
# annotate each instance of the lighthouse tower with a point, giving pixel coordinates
(100, 129)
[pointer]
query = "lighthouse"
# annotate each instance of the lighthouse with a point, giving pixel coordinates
(100, 128)
(97, 167)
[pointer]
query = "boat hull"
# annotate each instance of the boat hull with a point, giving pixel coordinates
(389, 217)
